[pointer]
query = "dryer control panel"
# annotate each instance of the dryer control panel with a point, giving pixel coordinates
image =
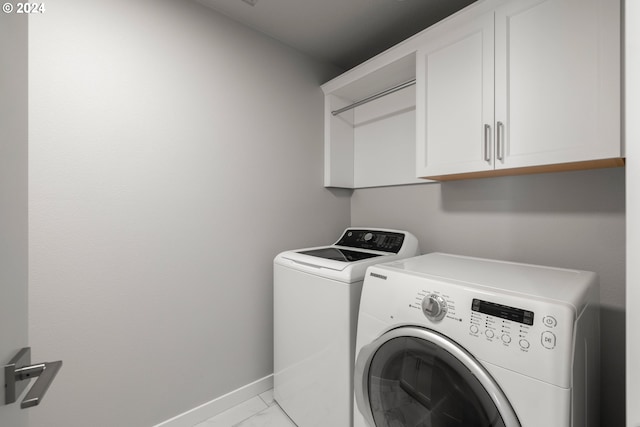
(516, 333)
(501, 322)
(532, 336)
(495, 316)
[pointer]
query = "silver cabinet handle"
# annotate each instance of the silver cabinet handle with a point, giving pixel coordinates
(487, 143)
(500, 141)
(20, 369)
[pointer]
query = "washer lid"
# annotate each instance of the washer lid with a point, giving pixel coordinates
(338, 254)
(330, 258)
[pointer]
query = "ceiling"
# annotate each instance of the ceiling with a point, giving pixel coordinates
(340, 32)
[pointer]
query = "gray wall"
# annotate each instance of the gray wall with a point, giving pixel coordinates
(571, 219)
(173, 154)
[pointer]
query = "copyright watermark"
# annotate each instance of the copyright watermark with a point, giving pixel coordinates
(31, 8)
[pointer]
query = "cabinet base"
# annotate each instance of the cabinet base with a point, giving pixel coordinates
(560, 167)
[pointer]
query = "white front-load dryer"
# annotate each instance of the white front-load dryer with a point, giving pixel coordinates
(316, 300)
(452, 341)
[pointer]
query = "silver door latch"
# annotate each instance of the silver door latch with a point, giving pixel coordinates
(20, 369)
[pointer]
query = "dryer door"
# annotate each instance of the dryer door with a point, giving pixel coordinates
(415, 377)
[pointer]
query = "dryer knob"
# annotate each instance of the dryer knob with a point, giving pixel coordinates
(434, 307)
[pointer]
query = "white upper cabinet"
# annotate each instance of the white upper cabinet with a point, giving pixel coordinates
(558, 81)
(455, 99)
(372, 143)
(502, 87)
(530, 84)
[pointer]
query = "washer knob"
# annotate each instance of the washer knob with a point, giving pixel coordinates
(434, 307)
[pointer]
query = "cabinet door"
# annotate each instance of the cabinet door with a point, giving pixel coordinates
(454, 106)
(557, 81)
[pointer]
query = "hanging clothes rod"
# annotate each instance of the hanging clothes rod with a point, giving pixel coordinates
(375, 96)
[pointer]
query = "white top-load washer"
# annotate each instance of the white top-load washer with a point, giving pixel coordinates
(316, 300)
(446, 340)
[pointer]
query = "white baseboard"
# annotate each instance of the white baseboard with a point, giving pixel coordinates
(220, 404)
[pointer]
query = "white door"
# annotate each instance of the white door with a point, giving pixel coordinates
(13, 200)
(412, 376)
(632, 135)
(455, 98)
(557, 76)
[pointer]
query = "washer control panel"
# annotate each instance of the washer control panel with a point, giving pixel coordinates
(379, 240)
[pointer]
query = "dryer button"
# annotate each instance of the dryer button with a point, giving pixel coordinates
(548, 340)
(434, 307)
(524, 344)
(549, 321)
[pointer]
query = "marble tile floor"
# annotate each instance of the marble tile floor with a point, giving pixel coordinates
(259, 411)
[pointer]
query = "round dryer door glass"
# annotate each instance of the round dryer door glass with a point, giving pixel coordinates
(414, 382)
